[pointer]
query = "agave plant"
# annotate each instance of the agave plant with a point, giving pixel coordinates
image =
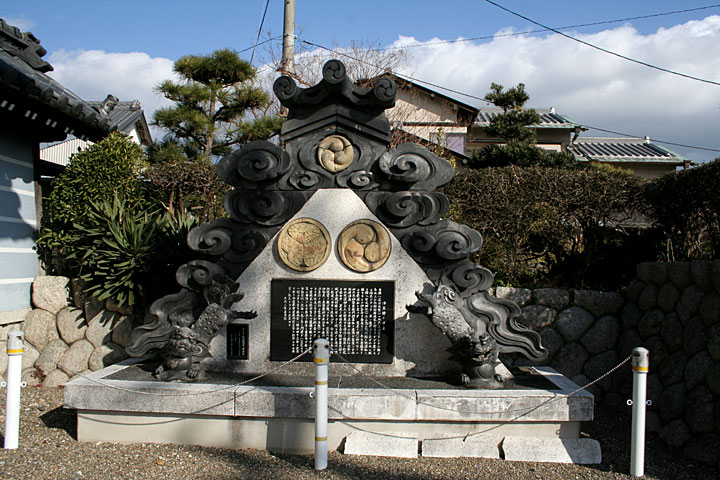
(128, 255)
(116, 250)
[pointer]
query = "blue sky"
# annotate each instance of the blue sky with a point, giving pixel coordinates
(175, 28)
(125, 48)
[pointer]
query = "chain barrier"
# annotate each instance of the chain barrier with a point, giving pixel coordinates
(184, 394)
(353, 367)
(526, 410)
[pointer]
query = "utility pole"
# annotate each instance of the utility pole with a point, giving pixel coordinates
(287, 63)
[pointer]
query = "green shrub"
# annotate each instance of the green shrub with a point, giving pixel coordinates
(127, 254)
(180, 185)
(686, 205)
(106, 168)
(554, 227)
(521, 154)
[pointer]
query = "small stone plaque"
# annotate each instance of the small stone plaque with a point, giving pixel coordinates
(237, 341)
(356, 317)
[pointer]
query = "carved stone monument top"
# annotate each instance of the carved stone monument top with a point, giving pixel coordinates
(333, 203)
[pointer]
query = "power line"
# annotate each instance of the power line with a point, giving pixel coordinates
(262, 21)
(261, 43)
(402, 75)
(604, 22)
(407, 77)
(639, 62)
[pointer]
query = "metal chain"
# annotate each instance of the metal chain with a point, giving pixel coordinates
(518, 410)
(377, 382)
(187, 394)
(609, 372)
(183, 394)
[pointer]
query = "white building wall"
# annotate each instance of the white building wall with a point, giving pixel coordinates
(18, 223)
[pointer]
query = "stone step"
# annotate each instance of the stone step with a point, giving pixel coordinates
(390, 444)
(553, 450)
(446, 446)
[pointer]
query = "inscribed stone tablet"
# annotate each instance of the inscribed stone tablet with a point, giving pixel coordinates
(357, 318)
(238, 341)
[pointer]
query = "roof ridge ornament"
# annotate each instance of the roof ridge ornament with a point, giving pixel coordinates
(108, 104)
(335, 87)
(336, 103)
(23, 45)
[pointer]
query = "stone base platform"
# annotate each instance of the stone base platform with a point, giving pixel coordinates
(276, 413)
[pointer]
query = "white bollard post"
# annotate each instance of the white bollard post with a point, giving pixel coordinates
(321, 357)
(15, 350)
(640, 365)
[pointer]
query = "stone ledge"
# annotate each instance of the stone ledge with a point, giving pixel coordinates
(445, 446)
(390, 444)
(345, 403)
(533, 449)
(13, 316)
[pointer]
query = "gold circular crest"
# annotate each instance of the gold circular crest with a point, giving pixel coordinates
(364, 245)
(335, 153)
(303, 244)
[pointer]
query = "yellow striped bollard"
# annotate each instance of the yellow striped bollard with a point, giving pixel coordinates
(321, 357)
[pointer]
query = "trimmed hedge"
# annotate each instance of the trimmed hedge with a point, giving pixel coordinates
(686, 205)
(555, 227)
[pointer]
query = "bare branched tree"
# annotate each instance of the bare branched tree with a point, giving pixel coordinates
(411, 120)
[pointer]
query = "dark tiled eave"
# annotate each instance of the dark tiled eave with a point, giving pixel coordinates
(31, 96)
(123, 115)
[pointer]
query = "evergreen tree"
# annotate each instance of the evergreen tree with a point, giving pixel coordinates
(513, 126)
(216, 105)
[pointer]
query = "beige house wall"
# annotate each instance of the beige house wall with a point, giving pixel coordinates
(422, 115)
(549, 139)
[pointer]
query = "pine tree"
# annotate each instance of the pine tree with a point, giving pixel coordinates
(216, 105)
(513, 126)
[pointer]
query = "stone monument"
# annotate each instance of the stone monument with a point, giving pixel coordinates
(333, 233)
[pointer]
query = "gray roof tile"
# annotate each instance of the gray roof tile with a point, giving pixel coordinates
(604, 149)
(548, 118)
(123, 115)
(23, 79)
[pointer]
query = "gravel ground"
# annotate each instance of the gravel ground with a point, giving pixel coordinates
(48, 450)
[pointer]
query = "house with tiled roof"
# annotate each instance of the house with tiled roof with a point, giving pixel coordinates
(126, 117)
(637, 155)
(425, 116)
(553, 132)
(34, 108)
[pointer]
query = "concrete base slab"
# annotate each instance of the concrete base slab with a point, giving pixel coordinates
(117, 405)
(390, 444)
(442, 445)
(565, 450)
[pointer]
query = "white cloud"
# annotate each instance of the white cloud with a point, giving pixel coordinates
(93, 74)
(593, 87)
(23, 23)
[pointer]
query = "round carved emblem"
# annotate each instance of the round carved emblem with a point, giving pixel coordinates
(303, 244)
(364, 245)
(335, 153)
